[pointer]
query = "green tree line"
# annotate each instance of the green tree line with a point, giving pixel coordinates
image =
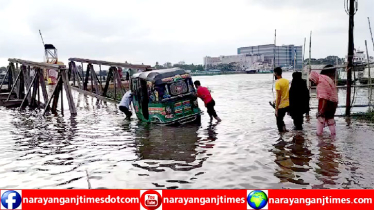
(190, 67)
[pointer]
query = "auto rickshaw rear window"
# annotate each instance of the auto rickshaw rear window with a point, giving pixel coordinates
(179, 87)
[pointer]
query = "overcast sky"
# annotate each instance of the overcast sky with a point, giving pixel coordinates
(146, 31)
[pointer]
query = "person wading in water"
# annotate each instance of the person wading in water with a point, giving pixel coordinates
(327, 95)
(299, 100)
(282, 102)
(204, 94)
(125, 104)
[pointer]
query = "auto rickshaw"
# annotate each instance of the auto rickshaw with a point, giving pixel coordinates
(165, 96)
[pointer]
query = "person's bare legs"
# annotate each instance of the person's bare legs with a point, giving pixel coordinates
(320, 125)
(332, 127)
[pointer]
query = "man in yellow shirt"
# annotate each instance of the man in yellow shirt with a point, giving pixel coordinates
(282, 103)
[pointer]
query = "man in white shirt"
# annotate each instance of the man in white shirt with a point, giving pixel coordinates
(125, 103)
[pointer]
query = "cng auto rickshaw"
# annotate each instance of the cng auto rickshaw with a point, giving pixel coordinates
(165, 96)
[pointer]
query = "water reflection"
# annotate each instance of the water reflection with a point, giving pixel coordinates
(328, 162)
(51, 134)
(292, 157)
(177, 144)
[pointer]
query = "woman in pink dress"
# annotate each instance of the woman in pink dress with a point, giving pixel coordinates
(327, 95)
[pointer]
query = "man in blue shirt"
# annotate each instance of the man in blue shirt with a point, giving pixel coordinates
(125, 103)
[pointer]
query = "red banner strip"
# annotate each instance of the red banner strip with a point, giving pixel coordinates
(187, 199)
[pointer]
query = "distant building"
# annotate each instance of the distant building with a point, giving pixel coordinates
(181, 63)
(284, 55)
(238, 62)
(168, 65)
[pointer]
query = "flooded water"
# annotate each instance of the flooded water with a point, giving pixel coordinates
(243, 151)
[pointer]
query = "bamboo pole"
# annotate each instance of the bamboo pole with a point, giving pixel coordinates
(310, 60)
(368, 61)
(372, 40)
(304, 53)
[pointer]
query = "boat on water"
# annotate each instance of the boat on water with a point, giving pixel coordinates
(251, 71)
(260, 68)
(342, 77)
(364, 78)
(265, 71)
(360, 60)
(206, 73)
(287, 68)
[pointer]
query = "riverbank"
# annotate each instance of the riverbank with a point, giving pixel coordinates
(213, 73)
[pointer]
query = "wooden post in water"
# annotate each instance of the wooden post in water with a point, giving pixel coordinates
(114, 81)
(38, 72)
(27, 79)
(89, 68)
(62, 83)
(108, 78)
(56, 95)
(62, 98)
(352, 10)
(83, 79)
(35, 89)
(69, 95)
(43, 86)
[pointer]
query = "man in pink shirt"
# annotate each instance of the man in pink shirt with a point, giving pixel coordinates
(204, 94)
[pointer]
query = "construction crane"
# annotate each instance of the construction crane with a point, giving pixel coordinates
(50, 56)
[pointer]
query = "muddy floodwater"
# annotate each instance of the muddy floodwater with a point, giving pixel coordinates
(245, 150)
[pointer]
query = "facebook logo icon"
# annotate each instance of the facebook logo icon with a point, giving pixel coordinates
(11, 199)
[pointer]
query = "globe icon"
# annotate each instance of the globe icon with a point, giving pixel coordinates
(257, 199)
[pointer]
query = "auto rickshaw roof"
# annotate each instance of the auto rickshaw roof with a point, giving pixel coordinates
(157, 75)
